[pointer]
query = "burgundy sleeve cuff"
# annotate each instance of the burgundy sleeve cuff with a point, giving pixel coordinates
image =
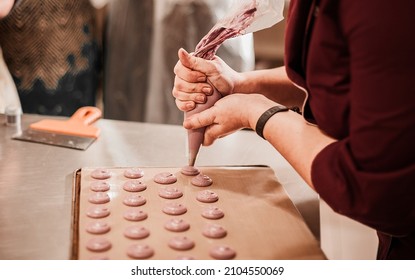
(381, 200)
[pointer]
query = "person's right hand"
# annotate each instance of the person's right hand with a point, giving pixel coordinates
(229, 114)
(195, 78)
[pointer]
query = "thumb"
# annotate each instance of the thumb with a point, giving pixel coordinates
(193, 62)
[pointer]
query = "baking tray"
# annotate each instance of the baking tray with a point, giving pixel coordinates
(260, 219)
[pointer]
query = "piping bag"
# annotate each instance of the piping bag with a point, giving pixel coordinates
(248, 16)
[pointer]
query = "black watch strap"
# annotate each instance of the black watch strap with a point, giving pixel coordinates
(259, 128)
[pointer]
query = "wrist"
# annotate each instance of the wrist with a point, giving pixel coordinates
(241, 83)
(264, 118)
(258, 104)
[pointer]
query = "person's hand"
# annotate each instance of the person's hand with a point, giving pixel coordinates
(195, 78)
(229, 114)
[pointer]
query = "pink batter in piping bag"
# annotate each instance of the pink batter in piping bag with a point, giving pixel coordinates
(229, 27)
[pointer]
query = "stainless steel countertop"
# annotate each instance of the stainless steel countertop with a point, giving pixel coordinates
(36, 179)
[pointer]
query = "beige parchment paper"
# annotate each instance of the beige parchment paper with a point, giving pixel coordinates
(260, 219)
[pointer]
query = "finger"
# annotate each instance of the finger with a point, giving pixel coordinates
(186, 59)
(199, 120)
(184, 68)
(185, 106)
(211, 134)
(214, 132)
(188, 74)
(194, 88)
(196, 63)
(182, 96)
(185, 96)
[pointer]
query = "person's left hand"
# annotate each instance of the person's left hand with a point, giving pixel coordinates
(229, 114)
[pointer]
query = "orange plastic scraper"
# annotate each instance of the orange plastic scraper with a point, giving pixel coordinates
(77, 132)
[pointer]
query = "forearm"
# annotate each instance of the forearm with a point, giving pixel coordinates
(5, 7)
(272, 83)
(296, 140)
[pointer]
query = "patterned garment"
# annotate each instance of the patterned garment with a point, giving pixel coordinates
(51, 51)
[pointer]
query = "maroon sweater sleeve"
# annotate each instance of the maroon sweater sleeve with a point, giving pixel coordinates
(370, 174)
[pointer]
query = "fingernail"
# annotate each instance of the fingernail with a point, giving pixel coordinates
(186, 123)
(184, 51)
(189, 106)
(207, 90)
(201, 79)
(201, 98)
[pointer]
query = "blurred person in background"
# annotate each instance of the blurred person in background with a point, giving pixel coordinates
(52, 50)
(141, 42)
